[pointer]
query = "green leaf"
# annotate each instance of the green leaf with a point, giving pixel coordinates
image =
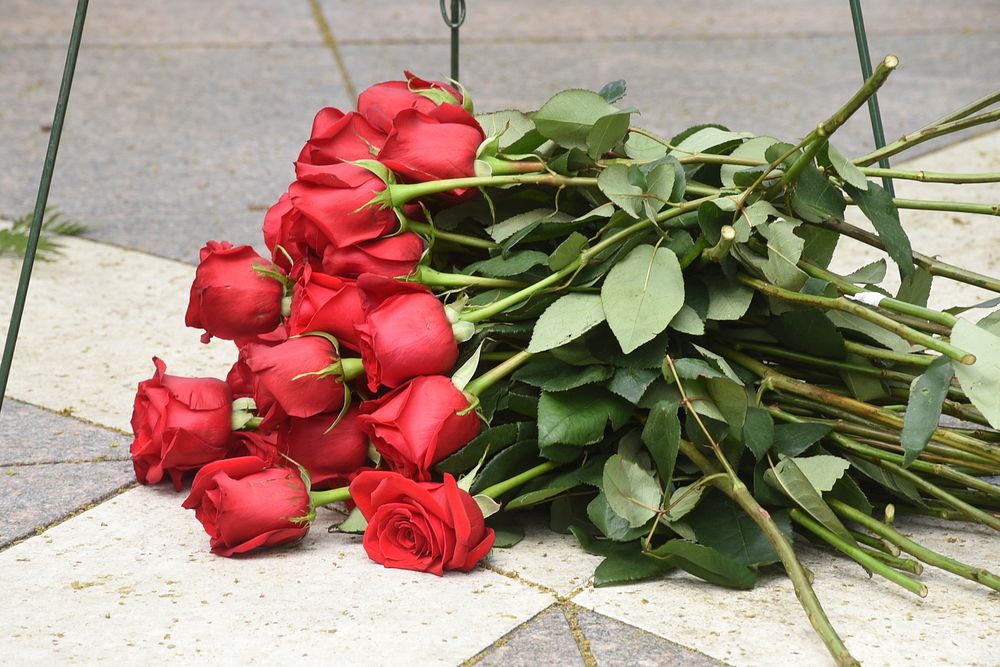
(845, 168)
(890, 481)
(623, 185)
(877, 205)
(552, 374)
(815, 198)
(613, 91)
(823, 470)
(509, 125)
(731, 400)
(916, 287)
(632, 383)
(793, 439)
(706, 563)
(981, 380)
(923, 411)
(537, 496)
(609, 523)
(873, 273)
(568, 251)
(726, 300)
(465, 372)
(808, 331)
(631, 490)
(682, 501)
(503, 230)
(758, 431)
(753, 148)
(486, 443)
(644, 149)
(511, 461)
(660, 182)
(869, 329)
(513, 264)
(641, 294)
(569, 115)
(355, 523)
(784, 249)
(687, 321)
(507, 533)
(662, 437)
(820, 244)
(719, 523)
(578, 417)
(567, 319)
(788, 478)
(607, 132)
(625, 567)
(691, 368)
(710, 139)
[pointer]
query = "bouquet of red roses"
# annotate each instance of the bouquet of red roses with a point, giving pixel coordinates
(465, 316)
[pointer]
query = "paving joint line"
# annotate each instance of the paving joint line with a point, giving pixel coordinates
(185, 46)
(96, 459)
(68, 412)
(327, 34)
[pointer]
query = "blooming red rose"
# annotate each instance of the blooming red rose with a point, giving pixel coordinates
(286, 380)
(333, 201)
(229, 299)
(417, 425)
(339, 137)
(245, 505)
(180, 424)
(327, 303)
(380, 103)
(390, 256)
(433, 146)
(406, 332)
(332, 457)
(427, 527)
(283, 227)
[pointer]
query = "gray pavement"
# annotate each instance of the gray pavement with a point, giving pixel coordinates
(185, 118)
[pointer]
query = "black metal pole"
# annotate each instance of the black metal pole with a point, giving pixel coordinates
(42, 197)
(866, 71)
(454, 20)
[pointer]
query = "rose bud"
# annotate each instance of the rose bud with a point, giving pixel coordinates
(230, 298)
(380, 103)
(180, 424)
(284, 234)
(326, 303)
(335, 204)
(339, 137)
(422, 526)
(390, 256)
(433, 146)
(406, 332)
(331, 456)
(301, 377)
(417, 425)
(245, 505)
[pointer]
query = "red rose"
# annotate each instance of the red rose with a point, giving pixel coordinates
(406, 332)
(427, 527)
(433, 146)
(286, 382)
(180, 424)
(229, 299)
(244, 505)
(326, 303)
(390, 256)
(333, 201)
(338, 137)
(417, 425)
(380, 103)
(283, 227)
(332, 457)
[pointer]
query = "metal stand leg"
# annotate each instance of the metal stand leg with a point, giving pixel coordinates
(454, 20)
(866, 71)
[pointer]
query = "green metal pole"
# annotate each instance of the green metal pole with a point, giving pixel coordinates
(866, 71)
(43, 196)
(454, 20)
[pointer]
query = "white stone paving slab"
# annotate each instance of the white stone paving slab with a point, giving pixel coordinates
(548, 559)
(882, 625)
(94, 318)
(132, 582)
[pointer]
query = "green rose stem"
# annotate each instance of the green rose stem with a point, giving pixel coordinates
(871, 352)
(497, 307)
(338, 495)
(935, 267)
(866, 560)
(500, 488)
(398, 194)
(433, 278)
(480, 384)
(920, 136)
(918, 551)
(774, 380)
(819, 137)
(738, 492)
(432, 232)
(874, 542)
(840, 303)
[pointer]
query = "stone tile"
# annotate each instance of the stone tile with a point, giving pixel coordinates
(115, 22)
(132, 581)
(612, 642)
(548, 559)
(547, 639)
(93, 321)
(33, 435)
(163, 149)
(780, 88)
(34, 496)
(880, 622)
(524, 20)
